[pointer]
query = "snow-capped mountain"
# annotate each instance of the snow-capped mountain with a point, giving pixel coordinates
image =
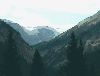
(35, 36)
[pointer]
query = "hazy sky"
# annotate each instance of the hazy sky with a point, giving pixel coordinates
(59, 14)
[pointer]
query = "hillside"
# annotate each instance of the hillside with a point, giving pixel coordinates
(54, 51)
(23, 49)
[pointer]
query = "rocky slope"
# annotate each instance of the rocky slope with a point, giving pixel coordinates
(37, 35)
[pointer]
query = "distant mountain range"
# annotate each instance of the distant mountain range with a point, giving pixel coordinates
(37, 35)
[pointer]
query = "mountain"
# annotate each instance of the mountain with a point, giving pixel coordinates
(54, 51)
(37, 35)
(23, 49)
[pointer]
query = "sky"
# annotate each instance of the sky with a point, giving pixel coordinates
(59, 14)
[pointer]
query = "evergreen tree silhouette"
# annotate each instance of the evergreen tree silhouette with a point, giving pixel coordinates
(81, 59)
(91, 71)
(75, 56)
(37, 65)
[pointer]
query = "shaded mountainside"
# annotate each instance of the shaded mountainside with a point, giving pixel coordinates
(37, 35)
(23, 49)
(88, 30)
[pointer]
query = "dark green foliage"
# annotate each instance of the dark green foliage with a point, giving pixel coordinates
(91, 71)
(12, 67)
(81, 60)
(62, 71)
(37, 65)
(93, 63)
(75, 57)
(72, 48)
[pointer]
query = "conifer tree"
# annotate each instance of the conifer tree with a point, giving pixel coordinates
(81, 59)
(75, 56)
(37, 65)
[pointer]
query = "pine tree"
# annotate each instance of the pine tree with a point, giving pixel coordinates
(37, 65)
(75, 56)
(81, 59)
(12, 67)
(72, 55)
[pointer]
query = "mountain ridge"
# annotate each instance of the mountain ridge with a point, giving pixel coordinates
(39, 34)
(87, 30)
